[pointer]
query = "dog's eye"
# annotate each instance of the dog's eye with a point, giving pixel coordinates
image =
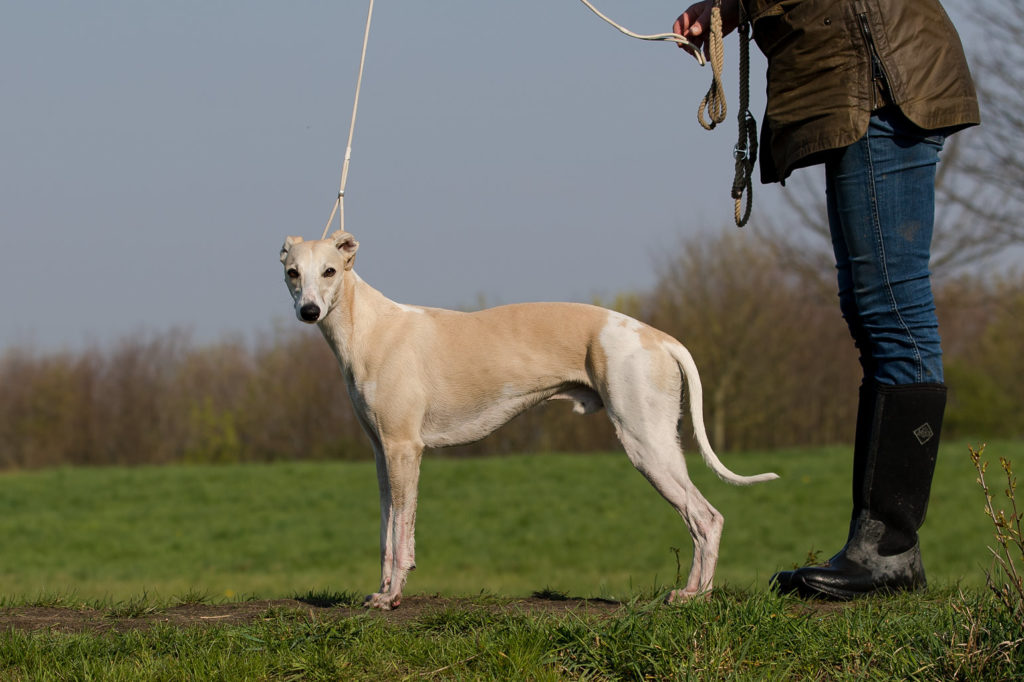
(330, 272)
(292, 273)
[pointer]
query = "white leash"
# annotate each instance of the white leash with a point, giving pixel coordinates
(673, 37)
(339, 204)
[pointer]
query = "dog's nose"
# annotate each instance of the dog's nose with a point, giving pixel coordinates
(310, 312)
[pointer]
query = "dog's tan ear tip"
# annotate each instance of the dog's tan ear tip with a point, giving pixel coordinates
(347, 245)
(344, 241)
(289, 242)
(342, 236)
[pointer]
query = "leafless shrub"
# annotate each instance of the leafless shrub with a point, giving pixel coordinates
(776, 361)
(1006, 578)
(775, 358)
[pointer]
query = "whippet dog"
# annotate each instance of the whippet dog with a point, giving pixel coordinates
(426, 377)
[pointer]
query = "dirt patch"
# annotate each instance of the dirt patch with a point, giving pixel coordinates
(414, 607)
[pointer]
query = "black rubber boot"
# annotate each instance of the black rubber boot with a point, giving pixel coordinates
(783, 580)
(894, 459)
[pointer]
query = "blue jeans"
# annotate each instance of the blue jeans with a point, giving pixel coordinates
(881, 210)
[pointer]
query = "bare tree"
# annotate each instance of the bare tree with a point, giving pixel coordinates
(979, 182)
(972, 224)
(989, 183)
(775, 358)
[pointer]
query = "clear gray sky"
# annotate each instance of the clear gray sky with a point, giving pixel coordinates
(155, 154)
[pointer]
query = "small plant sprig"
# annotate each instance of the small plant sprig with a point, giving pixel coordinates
(1009, 536)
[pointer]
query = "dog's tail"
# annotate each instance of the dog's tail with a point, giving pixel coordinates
(696, 400)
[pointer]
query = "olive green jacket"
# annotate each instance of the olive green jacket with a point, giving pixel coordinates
(832, 62)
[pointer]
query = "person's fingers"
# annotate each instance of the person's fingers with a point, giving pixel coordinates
(690, 24)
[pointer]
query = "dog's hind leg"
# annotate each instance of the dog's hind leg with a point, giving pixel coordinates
(652, 444)
(641, 394)
(705, 525)
(398, 472)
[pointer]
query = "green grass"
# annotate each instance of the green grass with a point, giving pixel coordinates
(732, 636)
(586, 525)
(131, 542)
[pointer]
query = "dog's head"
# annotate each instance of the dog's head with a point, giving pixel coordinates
(314, 272)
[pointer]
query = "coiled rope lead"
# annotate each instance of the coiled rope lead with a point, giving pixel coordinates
(339, 204)
(714, 106)
(714, 101)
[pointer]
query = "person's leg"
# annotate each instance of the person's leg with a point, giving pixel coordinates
(880, 194)
(881, 203)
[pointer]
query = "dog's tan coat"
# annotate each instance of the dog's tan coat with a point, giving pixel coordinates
(428, 377)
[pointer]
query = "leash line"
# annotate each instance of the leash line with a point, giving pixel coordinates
(339, 203)
(714, 104)
(712, 109)
(745, 151)
(673, 37)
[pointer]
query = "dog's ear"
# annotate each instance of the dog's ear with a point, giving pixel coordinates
(347, 245)
(289, 242)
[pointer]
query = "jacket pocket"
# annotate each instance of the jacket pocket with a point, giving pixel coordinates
(779, 23)
(760, 9)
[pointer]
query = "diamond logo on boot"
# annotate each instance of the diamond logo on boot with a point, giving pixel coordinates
(923, 433)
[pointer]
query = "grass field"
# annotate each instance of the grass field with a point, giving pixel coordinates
(585, 525)
(732, 636)
(128, 574)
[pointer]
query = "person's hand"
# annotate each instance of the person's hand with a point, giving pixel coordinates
(695, 23)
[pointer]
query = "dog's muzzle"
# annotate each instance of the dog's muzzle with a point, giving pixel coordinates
(310, 312)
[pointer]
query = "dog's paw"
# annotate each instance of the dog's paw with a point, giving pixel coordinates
(682, 596)
(382, 601)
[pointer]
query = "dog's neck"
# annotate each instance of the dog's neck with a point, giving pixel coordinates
(349, 320)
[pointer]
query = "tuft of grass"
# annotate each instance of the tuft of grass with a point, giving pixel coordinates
(52, 599)
(135, 607)
(191, 597)
(550, 595)
(329, 598)
(454, 620)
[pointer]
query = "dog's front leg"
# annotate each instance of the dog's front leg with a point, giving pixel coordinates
(387, 550)
(400, 476)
